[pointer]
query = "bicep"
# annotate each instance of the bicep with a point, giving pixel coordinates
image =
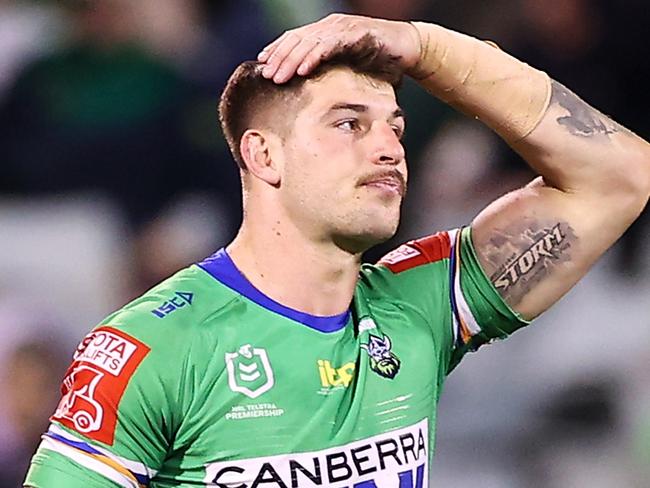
(535, 243)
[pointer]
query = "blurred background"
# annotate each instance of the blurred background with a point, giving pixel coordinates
(113, 175)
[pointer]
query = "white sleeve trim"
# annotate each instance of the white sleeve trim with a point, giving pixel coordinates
(465, 324)
(115, 468)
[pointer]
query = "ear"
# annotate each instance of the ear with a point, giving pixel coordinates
(256, 151)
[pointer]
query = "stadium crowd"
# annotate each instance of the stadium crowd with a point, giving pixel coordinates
(113, 175)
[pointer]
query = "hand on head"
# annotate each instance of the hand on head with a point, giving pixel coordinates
(299, 51)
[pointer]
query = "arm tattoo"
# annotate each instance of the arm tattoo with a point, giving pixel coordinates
(525, 253)
(582, 119)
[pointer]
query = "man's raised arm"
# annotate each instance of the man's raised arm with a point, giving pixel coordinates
(535, 242)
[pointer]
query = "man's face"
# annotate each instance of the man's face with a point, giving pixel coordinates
(345, 173)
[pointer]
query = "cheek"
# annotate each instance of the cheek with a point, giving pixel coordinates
(303, 179)
(321, 163)
(322, 167)
(317, 151)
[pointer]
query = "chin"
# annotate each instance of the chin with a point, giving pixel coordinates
(382, 235)
(363, 239)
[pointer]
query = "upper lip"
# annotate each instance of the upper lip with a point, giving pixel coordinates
(393, 177)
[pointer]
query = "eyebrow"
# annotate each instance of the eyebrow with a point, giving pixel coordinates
(360, 108)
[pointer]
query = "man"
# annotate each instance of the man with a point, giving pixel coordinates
(280, 361)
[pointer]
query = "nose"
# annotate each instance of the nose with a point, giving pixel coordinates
(387, 149)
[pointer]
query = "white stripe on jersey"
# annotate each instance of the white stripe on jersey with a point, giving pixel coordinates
(88, 461)
(133, 466)
(462, 306)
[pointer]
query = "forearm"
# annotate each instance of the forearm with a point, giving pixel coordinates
(570, 144)
(482, 81)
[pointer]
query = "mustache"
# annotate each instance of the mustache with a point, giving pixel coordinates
(392, 175)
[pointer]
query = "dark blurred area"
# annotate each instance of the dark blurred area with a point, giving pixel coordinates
(31, 373)
(114, 175)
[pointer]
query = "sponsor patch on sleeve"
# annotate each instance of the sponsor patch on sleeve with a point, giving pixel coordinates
(416, 253)
(94, 384)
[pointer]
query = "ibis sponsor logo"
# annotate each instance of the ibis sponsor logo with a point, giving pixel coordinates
(332, 378)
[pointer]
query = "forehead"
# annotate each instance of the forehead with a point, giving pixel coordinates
(344, 85)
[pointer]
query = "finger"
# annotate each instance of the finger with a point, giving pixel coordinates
(313, 58)
(269, 48)
(304, 31)
(290, 64)
(280, 52)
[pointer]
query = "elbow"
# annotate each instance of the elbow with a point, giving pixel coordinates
(633, 183)
(623, 185)
(645, 190)
(642, 177)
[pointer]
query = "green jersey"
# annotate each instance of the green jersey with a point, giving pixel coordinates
(206, 381)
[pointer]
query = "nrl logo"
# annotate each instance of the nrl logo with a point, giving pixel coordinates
(249, 371)
(382, 360)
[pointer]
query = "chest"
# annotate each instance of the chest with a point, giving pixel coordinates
(284, 402)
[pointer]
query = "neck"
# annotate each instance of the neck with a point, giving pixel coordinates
(313, 277)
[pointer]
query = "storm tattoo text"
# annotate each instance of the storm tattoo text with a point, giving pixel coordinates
(532, 254)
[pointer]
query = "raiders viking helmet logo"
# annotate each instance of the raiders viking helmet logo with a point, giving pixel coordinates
(382, 360)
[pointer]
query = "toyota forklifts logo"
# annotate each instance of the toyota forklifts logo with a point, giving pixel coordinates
(249, 371)
(94, 384)
(79, 404)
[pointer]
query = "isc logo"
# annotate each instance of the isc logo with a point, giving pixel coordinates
(331, 376)
(179, 300)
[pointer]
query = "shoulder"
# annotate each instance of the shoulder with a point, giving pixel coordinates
(149, 344)
(169, 315)
(416, 272)
(435, 249)
(426, 250)
(184, 301)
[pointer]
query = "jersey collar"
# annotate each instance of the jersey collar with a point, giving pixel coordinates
(222, 268)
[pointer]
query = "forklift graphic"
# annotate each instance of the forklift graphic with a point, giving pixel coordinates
(78, 403)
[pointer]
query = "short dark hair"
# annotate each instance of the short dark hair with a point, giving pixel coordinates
(248, 95)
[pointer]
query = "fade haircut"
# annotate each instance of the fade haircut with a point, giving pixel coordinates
(248, 98)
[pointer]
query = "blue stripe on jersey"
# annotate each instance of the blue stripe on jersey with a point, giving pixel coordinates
(453, 269)
(82, 446)
(224, 270)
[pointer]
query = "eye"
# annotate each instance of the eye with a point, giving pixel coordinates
(348, 125)
(398, 130)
